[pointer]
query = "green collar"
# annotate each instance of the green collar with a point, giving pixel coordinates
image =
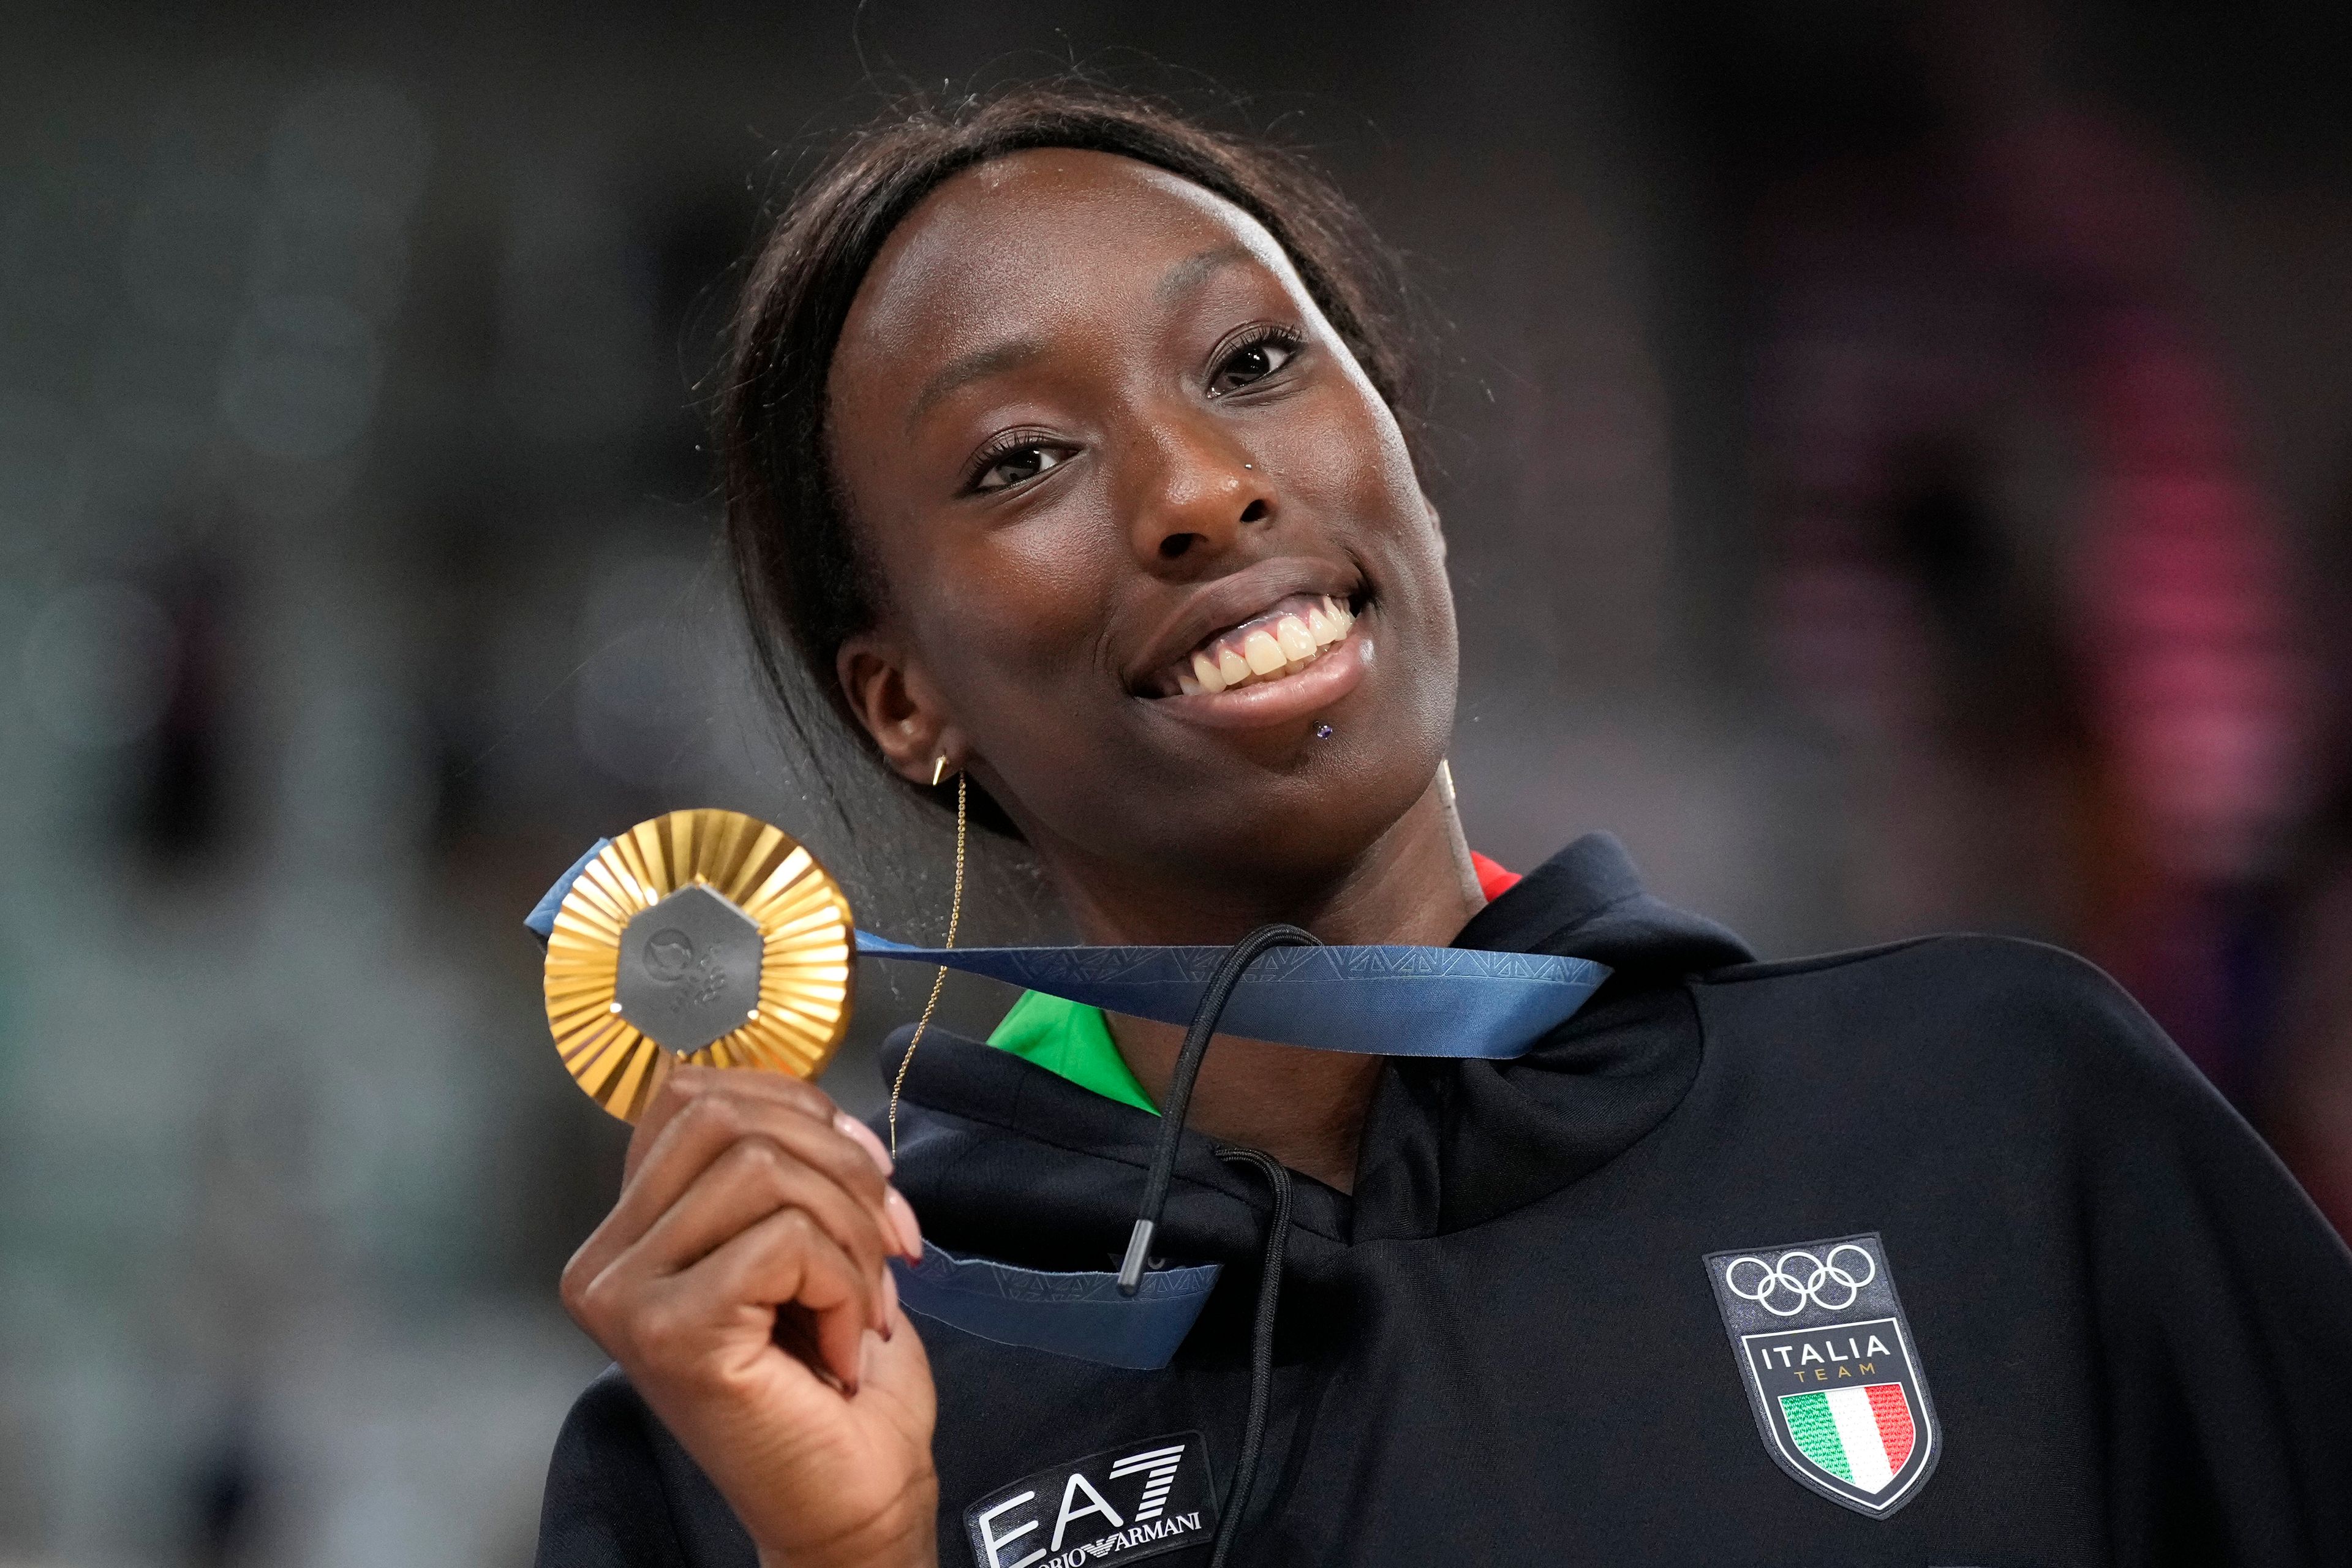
(1072, 1039)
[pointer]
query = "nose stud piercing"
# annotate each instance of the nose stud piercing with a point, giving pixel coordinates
(1322, 731)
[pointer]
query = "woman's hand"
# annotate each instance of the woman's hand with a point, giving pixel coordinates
(742, 1282)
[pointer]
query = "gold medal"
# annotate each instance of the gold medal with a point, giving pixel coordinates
(701, 936)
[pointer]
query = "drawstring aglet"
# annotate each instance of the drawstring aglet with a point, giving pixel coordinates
(1139, 1249)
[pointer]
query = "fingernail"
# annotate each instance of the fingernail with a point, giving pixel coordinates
(902, 1216)
(889, 1301)
(849, 1127)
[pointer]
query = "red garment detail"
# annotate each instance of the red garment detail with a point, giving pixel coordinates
(1493, 881)
(1893, 1413)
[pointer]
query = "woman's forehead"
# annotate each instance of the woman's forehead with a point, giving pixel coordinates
(1047, 233)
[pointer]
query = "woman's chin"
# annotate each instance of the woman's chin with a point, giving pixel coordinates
(1294, 700)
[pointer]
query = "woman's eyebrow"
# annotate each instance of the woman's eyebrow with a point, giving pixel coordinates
(969, 367)
(1193, 270)
(996, 358)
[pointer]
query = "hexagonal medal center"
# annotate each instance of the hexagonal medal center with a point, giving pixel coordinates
(689, 969)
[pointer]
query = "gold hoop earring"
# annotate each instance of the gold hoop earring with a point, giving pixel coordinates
(940, 981)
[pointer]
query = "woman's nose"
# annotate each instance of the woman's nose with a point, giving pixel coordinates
(1202, 492)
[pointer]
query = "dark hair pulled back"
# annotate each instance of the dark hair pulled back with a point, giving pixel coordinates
(804, 583)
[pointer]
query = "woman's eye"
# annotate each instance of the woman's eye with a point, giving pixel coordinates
(1022, 463)
(1251, 362)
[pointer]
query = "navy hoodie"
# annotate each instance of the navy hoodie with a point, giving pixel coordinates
(1935, 1254)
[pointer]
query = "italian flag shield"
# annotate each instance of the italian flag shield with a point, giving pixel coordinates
(1863, 1436)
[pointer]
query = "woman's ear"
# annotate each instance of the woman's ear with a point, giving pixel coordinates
(900, 708)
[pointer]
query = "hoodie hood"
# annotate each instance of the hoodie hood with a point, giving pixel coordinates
(1588, 901)
(1011, 1162)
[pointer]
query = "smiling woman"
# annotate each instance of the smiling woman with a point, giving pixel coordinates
(1067, 455)
(1120, 344)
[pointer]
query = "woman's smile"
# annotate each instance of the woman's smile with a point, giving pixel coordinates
(1293, 692)
(1254, 629)
(1270, 647)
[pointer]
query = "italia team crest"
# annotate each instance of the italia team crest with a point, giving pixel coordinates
(1830, 1367)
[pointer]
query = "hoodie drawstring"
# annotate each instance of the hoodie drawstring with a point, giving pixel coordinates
(1269, 1296)
(1214, 997)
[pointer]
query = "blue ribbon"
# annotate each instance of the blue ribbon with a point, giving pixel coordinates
(1079, 1314)
(1392, 1001)
(541, 921)
(1378, 1001)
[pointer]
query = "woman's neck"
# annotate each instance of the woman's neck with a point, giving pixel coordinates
(1306, 1108)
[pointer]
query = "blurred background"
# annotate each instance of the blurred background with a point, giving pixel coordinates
(1898, 459)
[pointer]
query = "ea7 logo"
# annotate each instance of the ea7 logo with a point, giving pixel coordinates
(1121, 1505)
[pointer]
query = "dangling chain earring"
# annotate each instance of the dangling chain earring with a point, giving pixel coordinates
(938, 982)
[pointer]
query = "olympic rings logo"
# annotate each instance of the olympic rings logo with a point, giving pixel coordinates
(1784, 1292)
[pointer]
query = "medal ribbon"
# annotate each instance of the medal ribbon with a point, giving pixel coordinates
(1390, 1001)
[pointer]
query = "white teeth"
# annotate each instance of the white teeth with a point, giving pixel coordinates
(1264, 653)
(1267, 651)
(1297, 642)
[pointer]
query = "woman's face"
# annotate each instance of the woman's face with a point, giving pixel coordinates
(1144, 530)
